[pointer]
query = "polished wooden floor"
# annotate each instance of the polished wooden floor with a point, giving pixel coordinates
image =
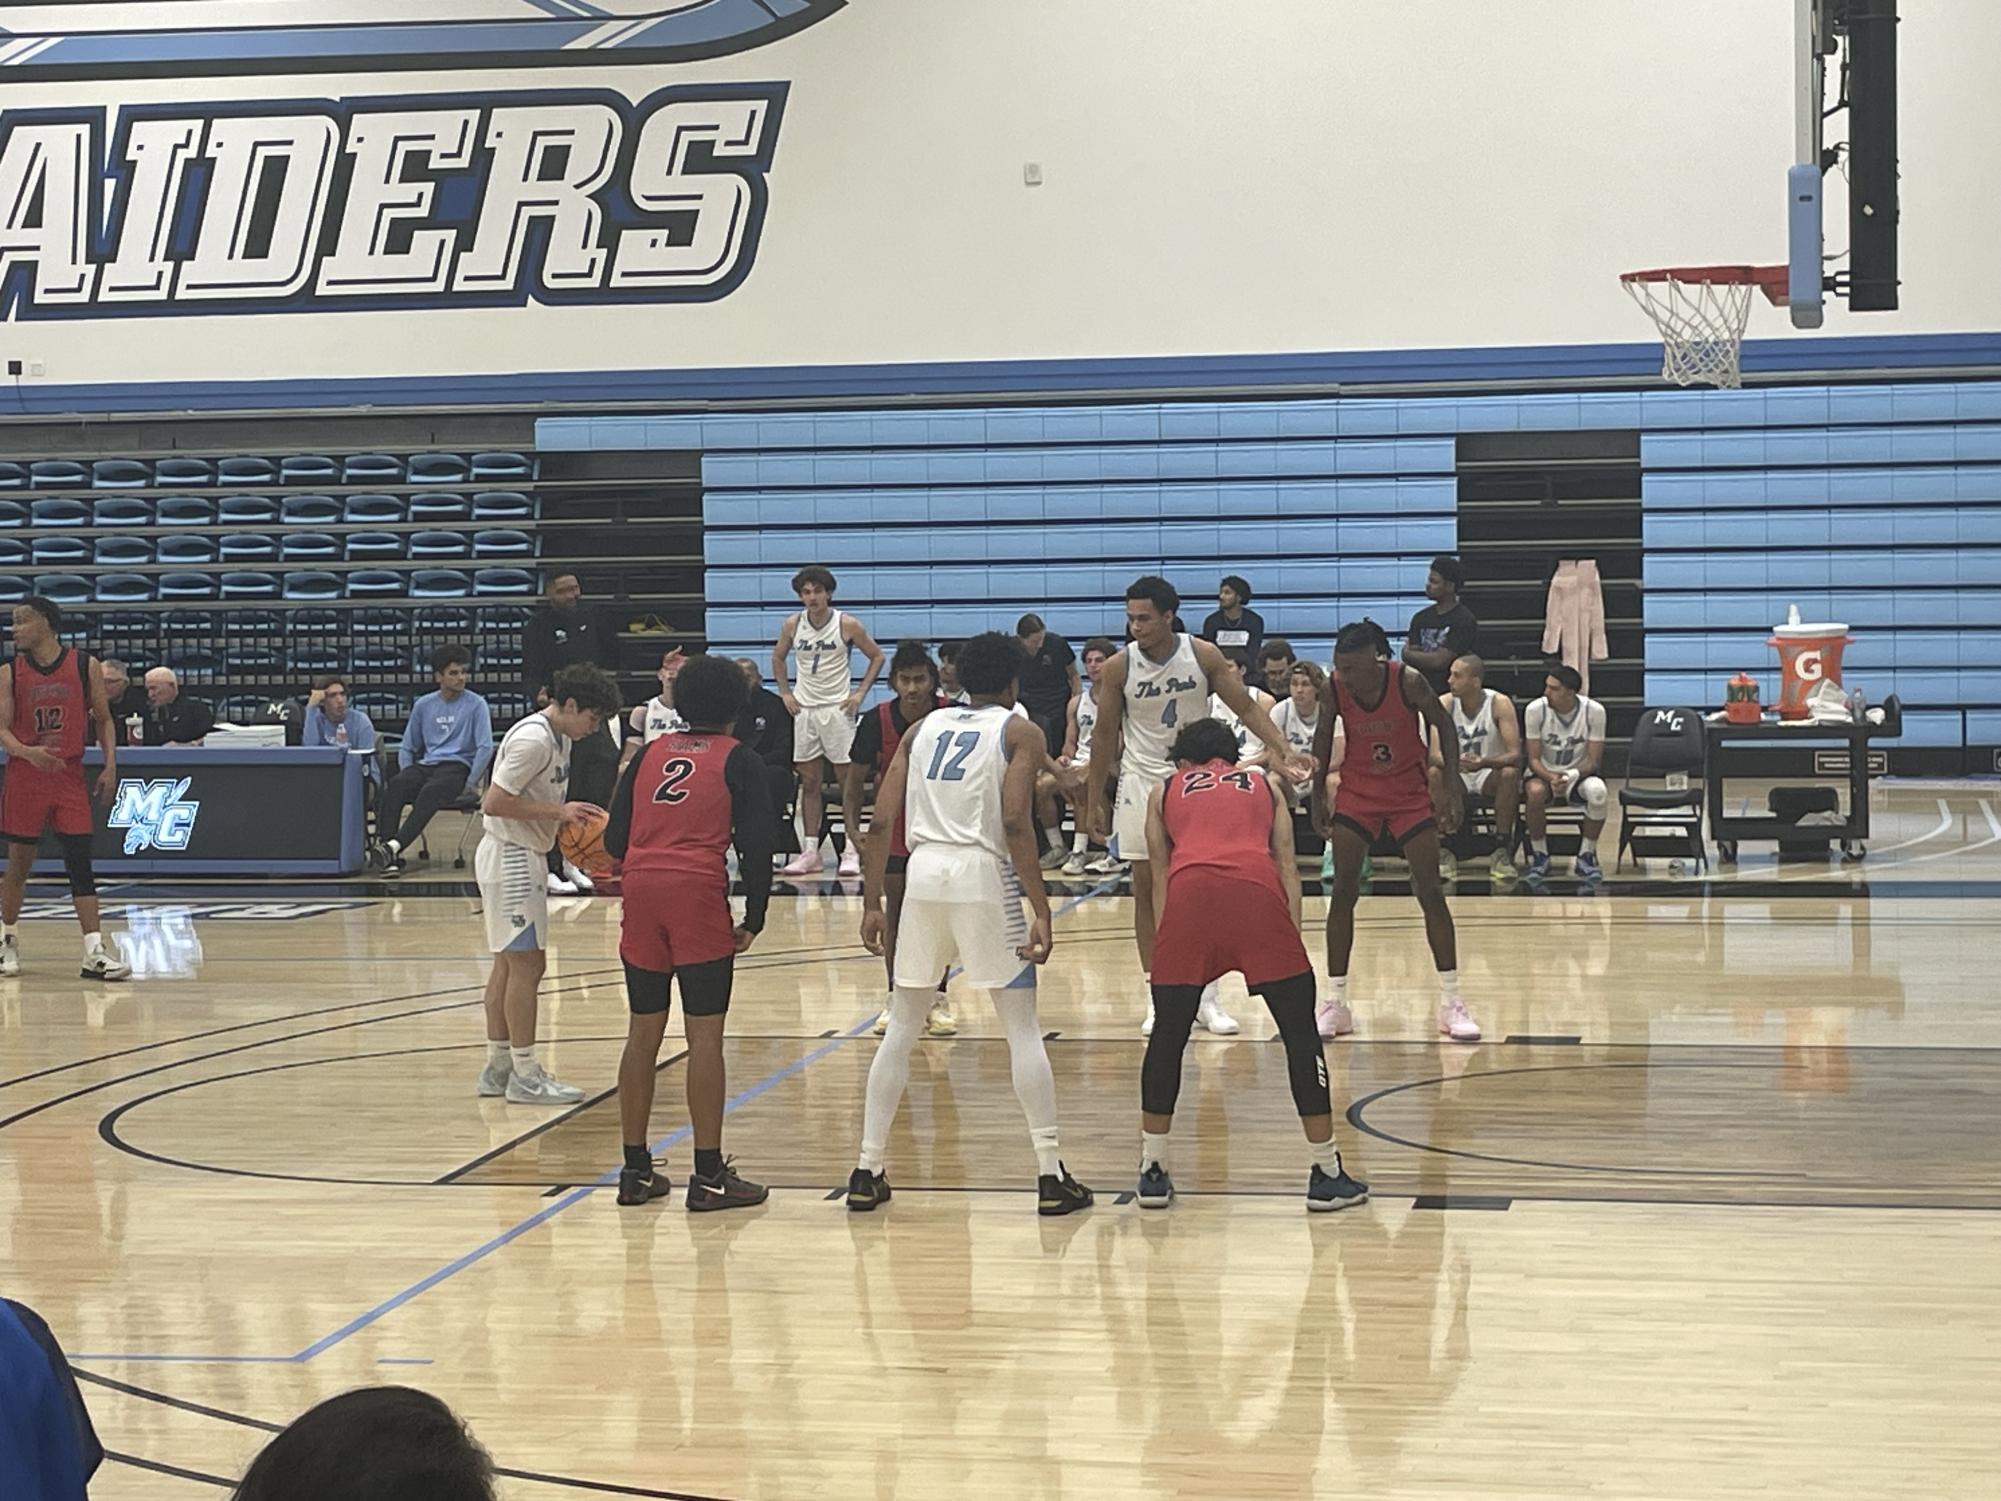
(1711, 1213)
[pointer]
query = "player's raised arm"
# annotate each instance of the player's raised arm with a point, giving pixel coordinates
(1225, 683)
(1027, 749)
(889, 802)
(1104, 744)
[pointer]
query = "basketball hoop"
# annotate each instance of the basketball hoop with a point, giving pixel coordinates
(1702, 312)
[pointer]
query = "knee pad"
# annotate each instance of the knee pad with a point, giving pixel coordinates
(1597, 800)
(76, 862)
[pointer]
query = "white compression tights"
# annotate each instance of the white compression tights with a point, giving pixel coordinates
(889, 1075)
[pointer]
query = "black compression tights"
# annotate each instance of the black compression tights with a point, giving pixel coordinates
(1291, 1004)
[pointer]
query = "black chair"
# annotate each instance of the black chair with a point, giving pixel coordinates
(1668, 748)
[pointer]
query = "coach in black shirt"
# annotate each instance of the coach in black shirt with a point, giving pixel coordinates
(1235, 623)
(173, 718)
(1445, 628)
(1049, 679)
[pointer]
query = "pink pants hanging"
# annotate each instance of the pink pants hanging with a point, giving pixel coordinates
(1574, 623)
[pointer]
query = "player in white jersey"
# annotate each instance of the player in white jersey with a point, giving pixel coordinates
(1067, 782)
(965, 779)
(657, 716)
(1161, 681)
(1298, 719)
(1566, 744)
(1249, 752)
(526, 802)
(823, 701)
(1490, 753)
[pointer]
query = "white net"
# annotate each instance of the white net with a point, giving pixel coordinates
(1702, 327)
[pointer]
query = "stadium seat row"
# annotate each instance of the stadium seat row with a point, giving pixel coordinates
(1296, 621)
(1744, 610)
(296, 469)
(58, 551)
(1872, 651)
(1872, 525)
(1859, 568)
(1960, 443)
(1704, 490)
(371, 583)
(263, 510)
(1183, 545)
(1144, 500)
(436, 624)
(1047, 583)
(268, 664)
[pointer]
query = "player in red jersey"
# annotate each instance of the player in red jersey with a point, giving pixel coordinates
(913, 677)
(1383, 708)
(678, 807)
(48, 695)
(1230, 901)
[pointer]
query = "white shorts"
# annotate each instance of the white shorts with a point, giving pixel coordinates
(1129, 813)
(970, 915)
(820, 732)
(514, 890)
(1476, 781)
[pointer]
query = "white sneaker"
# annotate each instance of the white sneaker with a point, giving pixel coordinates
(10, 958)
(881, 1023)
(1333, 1019)
(1210, 1013)
(1146, 1027)
(541, 1088)
(851, 861)
(1448, 866)
(1457, 1023)
(1074, 866)
(1053, 857)
(940, 1022)
(493, 1080)
(104, 964)
(1106, 865)
(583, 883)
(805, 863)
(560, 887)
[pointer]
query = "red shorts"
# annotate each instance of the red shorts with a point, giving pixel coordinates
(670, 920)
(1372, 810)
(31, 800)
(1215, 923)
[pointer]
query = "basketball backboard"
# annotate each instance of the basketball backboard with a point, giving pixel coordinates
(1813, 44)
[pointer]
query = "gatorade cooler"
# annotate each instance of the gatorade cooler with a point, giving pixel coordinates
(1809, 654)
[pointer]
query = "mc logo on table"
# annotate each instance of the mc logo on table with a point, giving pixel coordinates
(154, 814)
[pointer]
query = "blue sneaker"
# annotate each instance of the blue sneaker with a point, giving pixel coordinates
(1336, 1190)
(1156, 1189)
(1537, 870)
(1587, 868)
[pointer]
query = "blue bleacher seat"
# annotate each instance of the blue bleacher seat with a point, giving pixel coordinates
(506, 708)
(374, 583)
(376, 622)
(503, 617)
(439, 583)
(308, 469)
(249, 584)
(123, 625)
(13, 476)
(61, 552)
(310, 583)
(59, 511)
(503, 505)
(309, 547)
(122, 510)
(437, 469)
(373, 546)
(184, 510)
(505, 581)
(380, 658)
(442, 506)
(502, 466)
(247, 510)
(57, 474)
(248, 547)
(186, 551)
(253, 663)
(315, 622)
(372, 510)
(435, 621)
(124, 589)
(13, 587)
(242, 708)
(179, 471)
(502, 542)
(14, 552)
(188, 623)
(194, 664)
(187, 586)
(371, 469)
(245, 469)
(498, 656)
(118, 474)
(382, 708)
(310, 510)
(63, 588)
(254, 622)
(122, 552)
(311, 661)
(438, 544)
(13, 513)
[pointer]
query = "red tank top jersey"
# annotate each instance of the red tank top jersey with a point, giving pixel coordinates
(892, 737)
(52, 707)
(1386, 744)
(682, 811)
(1219, 818)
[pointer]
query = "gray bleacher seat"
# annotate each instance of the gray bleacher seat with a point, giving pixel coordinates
(59, 510)
(365, 547)
(181, 471)
(60, 552)
(439, 583)
(440, 544)
(13, 513)
(13, 587)
(312, 660)
(433, 620)
(13, 476)
(246, 469)
(249, 584)
(123, 625)
(122, 552)
(372, 510)
(376, 621)
(310, 510)
(309, 547)
(247, 510)
(187, 585)
(502, 542)
(379, 658)
(185, 551)
(371, 469)
(117, 474)
(503, 505)
(310, 583)
(63, 588)
(315, 622)
(123, 589)
(437, 469)
(308, 469)
(502, 466)
(15, 552)
(505, 581)
(441, 506)
(374, 583)
(122, 510)
(184, 510)
(248, 547)
(57, 474)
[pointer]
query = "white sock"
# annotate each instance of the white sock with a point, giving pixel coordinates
(1448, 987)
(497, 1056)
(1034, 1084)
(1588, 846)
(93, 943)
(1152, 1149)
(10, 932)
(889, 1075)
(523, 1060)
(1053, 838)
(1337, 990)
(394, 847)
(1080, 842)
(1326, 1156)
(1539, 843)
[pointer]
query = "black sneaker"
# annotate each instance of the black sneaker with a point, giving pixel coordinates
(642, 1188)
(724, 1191)
(1059, 1193)
(1329, 1191)
(393, 864)
(867, 1190)
(1156, 1189)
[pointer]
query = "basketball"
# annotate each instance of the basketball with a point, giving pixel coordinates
(582, 844)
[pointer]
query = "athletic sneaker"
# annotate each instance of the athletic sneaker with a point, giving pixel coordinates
(1327, 861)
(1457, 1023)
(10, 957)
(1146, 1027)
(1210, 1013)
(638, 1188)
(1054, 857)
(1327, 1191)
(1502, 868)
(104, 964)
(805, 863)
(393, 863)
(1333, 1019)
(881, 1023)
(1587, 868)
(1448, 866)
(867, 1190)
(560, 886)
(1106, 865)
(724, 1191)
(851, 861)
(1074, 866)
(1538, 867)
(541, 1088)
(583, 883)
(1156, 1189)
(1059, 1193)
(939, 1021)
(493, 1080)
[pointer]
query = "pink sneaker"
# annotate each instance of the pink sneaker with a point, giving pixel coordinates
(1334, 1019)
(1457, 1023)
(851, 861)
(805, 863)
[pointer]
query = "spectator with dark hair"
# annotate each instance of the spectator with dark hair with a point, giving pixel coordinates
(380, 1443)
(563, 632)
(1248, 752)
(1050, 681)
(1068, 781)
(1275, 659)
(48, 1449)
(948, 673)
(1565, 735)
(174, 717)
(446, 744)
(1235, 624)
(1444, 629)
(332, 720)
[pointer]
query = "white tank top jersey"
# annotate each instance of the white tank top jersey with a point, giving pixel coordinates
(1221, 711)
(1563, 738)
(533, 763)
(952, 808)
(1477, 734)
(1087, 721)
(1298, 732)
(1160, 698)
(660, 720)
(820, 676)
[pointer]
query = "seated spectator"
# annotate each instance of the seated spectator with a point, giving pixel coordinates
(332, 720)
(1444, 629)
(1250, 750)
(1490, 753)
(380, 1443)
(172, 717)
(1233, 624)
(948, 673)
(1298, 717)
(1275, 660)
(1050, 682)
(124, 699)
(446, 744)
(657, 716)
(1068, 784)
(48, 1449)
(1566, 745)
